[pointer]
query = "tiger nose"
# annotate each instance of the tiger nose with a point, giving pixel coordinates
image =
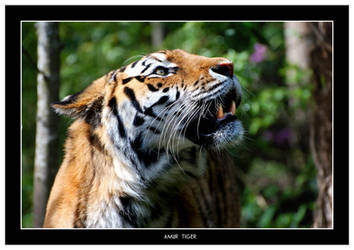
(224, 68)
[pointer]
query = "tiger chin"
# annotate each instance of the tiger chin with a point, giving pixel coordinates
(146, 148)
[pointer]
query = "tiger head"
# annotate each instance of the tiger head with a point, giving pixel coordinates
(168, 100)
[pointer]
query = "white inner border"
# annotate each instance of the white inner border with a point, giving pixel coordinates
(118, 21)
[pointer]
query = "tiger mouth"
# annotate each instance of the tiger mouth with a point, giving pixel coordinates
(220, 113)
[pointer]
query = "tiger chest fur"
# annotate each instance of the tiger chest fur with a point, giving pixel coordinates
(146, 148)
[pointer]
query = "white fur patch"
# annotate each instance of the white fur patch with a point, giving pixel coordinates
(159, 56)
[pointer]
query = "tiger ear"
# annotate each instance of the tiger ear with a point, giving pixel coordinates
(86, 104)
(70, 106)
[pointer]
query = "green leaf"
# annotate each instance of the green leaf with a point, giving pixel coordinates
(299, 216)
(266, 218)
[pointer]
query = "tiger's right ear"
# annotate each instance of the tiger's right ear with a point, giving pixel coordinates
(69, 106)
(86, 104)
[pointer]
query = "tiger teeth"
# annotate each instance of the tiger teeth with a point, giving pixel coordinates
(231, 111)
(220, 113)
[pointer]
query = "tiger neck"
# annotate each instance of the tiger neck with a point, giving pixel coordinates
(146, 182)
(163, 179)
(155, 169)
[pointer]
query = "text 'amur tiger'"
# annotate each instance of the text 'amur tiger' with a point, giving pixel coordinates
(146, 148)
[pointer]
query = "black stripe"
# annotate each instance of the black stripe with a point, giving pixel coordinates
(154, 130)
(208, 91)
(178, 112)
(165, 89)
(214, 87)
(155, 58)
(147, 157)
(121, 127)
(170, 104)
(128, 212)
(130, 93)
(113, 105)
(93, 114)
(177, 95)
(147, 66)
(138, 121)
(136, 144)
(133, 65)
(96, 142)
(148, 111)
(126, 80)
(140, 78)
(162, 100)
(195, 84)
(113, 76)
(152, 88)
(122, 69)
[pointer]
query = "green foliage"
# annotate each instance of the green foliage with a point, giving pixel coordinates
(279, 200)
(278, 184)
(29, 42)
(93, 49)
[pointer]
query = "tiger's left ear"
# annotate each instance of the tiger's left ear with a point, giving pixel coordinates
(86, 104)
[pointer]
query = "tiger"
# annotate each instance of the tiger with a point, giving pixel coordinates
(148, 147)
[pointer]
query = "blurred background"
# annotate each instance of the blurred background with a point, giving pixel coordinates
(276, 65)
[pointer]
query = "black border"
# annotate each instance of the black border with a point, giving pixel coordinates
(338, 14)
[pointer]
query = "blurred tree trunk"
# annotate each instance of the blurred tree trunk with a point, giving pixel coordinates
(321, 124)
(157, 34)
(298, 44)
(46, 155)
(309, 45)
(298, 47)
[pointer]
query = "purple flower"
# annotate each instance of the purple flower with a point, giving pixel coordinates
(259, 53)
(283, 137)
(280, 137)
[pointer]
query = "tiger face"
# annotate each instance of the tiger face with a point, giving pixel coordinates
(167, 100)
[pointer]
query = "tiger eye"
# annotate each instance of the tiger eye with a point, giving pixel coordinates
(161, 72)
